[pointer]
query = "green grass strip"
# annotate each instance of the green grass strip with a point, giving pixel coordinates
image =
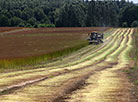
(17, 63)
(106, 49)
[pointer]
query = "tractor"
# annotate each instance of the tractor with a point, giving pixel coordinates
(95, 38)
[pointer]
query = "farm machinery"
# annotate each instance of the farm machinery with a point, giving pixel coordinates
(95, 38)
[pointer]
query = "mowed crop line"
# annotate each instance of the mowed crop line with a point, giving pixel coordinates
(82, 53)
(25, 76)
(113, 57)
(86, 57)
(76, 98)
(43, 91)
(108, 85)
(15, 74)
(8, 29)
(87, 99)
(14, 31)
(20, 72)
(19, 61)
(75, 56)
(72, 40)
(40, 85)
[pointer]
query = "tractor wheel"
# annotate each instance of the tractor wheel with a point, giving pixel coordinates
(90, 43)
(97, 43)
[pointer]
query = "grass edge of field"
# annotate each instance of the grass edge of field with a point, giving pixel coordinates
(17, 64)
(23, 63)
(132, 73)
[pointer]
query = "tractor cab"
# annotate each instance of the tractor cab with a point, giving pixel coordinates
(95, 38)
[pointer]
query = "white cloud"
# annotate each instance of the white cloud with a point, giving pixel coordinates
(135, 1)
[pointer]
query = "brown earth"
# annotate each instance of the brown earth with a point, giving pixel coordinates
(93, 78)
(18, 43)
(61, 30)
(6, 29)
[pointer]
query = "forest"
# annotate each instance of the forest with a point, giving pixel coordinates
(68, 13)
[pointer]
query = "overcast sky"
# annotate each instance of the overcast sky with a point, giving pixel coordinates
(135, 1)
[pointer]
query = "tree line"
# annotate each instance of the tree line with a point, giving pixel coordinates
(68, 13)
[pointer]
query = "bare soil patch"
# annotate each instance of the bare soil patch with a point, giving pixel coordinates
(41, 41)
(6, 29)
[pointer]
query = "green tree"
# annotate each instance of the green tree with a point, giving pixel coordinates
(129, 14)
(4, 21)
(67, 13)
(45, 20)
(72, 15)
(134, 24)
(39, 14)
(21, 24)
(32, 21)
(124, 24)
(15, 21)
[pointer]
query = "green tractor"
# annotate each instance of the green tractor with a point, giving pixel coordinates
(95, 38)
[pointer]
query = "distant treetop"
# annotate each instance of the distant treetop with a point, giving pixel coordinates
(67, 13)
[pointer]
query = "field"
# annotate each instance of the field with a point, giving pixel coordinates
(41, 41)
(7, 29)
(90, 74)
(23, 46)
(133, 72)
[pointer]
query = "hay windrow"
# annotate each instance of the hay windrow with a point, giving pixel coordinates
(38, 74)
(106, 88)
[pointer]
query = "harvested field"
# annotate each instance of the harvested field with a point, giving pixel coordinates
(94, 76)
(132, 73)
(34, 42)
(21, 46)
(28, 46)
(67, 30)
(6, 29)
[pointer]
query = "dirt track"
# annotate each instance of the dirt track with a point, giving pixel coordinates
(85, 76)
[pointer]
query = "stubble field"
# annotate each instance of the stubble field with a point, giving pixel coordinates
(91, 74)
(20, 46)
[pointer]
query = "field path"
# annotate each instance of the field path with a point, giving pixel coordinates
(85, 76)
(14, 31)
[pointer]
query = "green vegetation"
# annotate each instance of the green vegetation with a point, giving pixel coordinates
(105, 51)
(124, 24)
(129, 14)
(136, 82)
(134, 53)
(136, 46)
(67, 13)
(18, 63)
(45, 25)
(134, 24)
(40, 46)
(133, 72)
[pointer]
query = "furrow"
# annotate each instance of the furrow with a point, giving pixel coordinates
(34, 76)
(86, 51)
(108, 85)
(22, 72)
(63, 75)
(10, 74)
(75, 97)
(51, 89)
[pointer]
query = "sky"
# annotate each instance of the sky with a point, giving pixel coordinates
(135, 1)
